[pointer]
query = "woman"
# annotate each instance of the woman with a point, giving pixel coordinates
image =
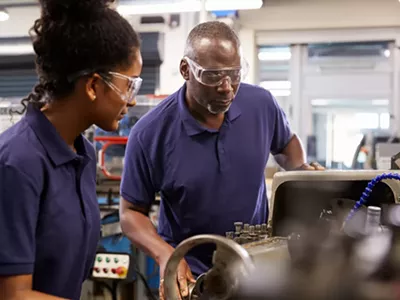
(88, 61)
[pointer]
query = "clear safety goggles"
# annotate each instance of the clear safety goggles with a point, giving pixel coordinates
(134, 84)
(215, 77)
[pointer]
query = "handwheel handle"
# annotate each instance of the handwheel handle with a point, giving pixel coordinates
(184, 247)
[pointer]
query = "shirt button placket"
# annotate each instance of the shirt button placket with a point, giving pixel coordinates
(223, 163)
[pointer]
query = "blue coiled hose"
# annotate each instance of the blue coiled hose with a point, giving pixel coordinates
(367, 192)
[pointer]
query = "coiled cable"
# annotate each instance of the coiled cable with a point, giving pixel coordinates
(367, 192)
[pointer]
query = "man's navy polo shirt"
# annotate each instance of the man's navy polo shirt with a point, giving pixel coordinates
(49, 214)
(208, 179)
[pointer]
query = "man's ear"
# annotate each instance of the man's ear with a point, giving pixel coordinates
(184, 69)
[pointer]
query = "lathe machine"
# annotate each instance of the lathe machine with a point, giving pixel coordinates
(315, 246)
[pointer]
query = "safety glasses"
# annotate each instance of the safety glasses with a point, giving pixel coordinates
(215, 77)
(134, 84)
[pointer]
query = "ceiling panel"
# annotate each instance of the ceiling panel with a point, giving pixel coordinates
(14, 2)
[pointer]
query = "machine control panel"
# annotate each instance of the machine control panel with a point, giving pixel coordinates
(111, 266)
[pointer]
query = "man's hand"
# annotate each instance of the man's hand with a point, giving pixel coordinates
(184, 276)
(313, 166)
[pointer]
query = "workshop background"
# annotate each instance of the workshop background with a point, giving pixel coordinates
(333, 65)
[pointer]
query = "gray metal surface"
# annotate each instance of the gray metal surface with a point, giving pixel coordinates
(231, 262)
(249, 246)
(384, 154)
(281, 178)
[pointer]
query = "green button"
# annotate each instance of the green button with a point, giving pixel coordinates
(116, 260)
(107, 259)
(99, 259)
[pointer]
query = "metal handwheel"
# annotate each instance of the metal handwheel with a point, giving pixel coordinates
(230, 260)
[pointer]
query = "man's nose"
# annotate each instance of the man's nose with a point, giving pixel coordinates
(225, 85)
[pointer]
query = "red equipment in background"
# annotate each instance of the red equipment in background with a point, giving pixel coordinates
(108, 141)
(143, 104)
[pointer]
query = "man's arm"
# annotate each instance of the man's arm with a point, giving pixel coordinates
(139, 184)
(293, 156)
(286, 147)
(139, 229)
(138, 189)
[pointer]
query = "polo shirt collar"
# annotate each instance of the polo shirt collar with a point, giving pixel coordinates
(192, 126)
(56, 148)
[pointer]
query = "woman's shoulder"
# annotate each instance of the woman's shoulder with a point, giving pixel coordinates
(19, 147)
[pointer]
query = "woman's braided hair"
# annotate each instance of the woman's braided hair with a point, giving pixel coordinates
(72, 36)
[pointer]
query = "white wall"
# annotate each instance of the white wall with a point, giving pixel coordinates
(313, 14)
(278, 15)
(174, 43)
(20, 21)
(281, 15)
(248, 40)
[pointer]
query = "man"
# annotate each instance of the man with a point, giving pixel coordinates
(204, 148)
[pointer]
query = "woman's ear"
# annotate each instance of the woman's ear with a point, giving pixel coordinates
(92, 86)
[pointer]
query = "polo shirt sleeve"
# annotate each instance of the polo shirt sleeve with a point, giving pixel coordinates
(137, 184)
(282, 133)
(19, 210)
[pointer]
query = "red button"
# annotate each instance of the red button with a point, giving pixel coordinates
(113, 271)
(121, 270)
(105, 270)
(97, 270)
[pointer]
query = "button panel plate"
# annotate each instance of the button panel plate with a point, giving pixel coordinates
(111, 266)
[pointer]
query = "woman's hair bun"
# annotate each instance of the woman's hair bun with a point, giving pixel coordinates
(75, 9)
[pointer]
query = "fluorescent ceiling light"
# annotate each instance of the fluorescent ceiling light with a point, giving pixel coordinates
(4, 103)
(274, 56)
(319, 102)
(386, 53)
(346, 103)
(276, 85)
(280, 93)
(380, 102)
(148, 9)
(143, 8)
(215, 5)
(277, 88)
(4, 16)
(16, 49)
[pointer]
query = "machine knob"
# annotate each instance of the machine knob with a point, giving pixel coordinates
(252, 229)
(264, 228)
(238, 226)
(230, 235)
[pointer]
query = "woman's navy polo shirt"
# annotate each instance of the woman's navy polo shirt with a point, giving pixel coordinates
(49, 214)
